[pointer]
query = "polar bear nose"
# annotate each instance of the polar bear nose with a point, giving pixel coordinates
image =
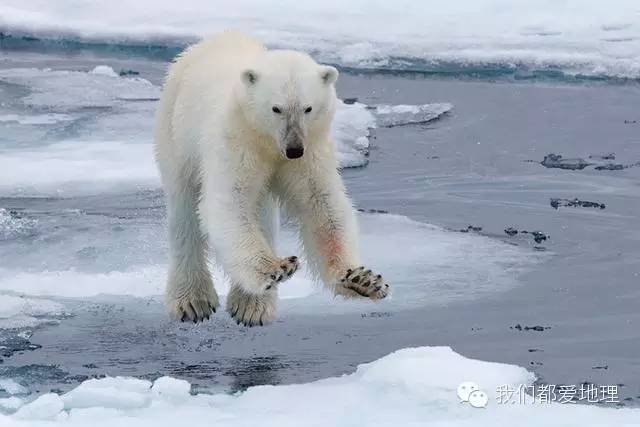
(294, 152)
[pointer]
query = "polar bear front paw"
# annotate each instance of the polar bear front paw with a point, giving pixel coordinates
(252, 309)
(282, 271)
(194, 306)
(362, 282)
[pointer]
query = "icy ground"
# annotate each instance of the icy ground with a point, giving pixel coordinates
(412, 387)
(596, 38)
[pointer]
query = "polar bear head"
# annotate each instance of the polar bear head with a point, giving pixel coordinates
(291, 99)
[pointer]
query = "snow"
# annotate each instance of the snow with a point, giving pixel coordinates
(589, 37)
(144, 281)
(117, 393)
(99, 130)
(412, 386)
(67, 90)
(421, 274)
(351, 133)
(9, 386)
(398, 115)
(78, 167)
(104, 70)
(45, 407)
(13, 226)
(171, 388)
(19, 312)
(10, 404)
(38, 119)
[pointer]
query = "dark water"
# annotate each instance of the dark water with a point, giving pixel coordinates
(472, 168)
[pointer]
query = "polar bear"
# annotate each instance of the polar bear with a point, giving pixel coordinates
(240, 131)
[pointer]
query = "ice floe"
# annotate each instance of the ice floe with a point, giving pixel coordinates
(399, 115)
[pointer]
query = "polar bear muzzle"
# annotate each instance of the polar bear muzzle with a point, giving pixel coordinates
(293, 138)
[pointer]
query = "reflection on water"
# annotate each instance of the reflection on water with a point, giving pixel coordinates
(254, 371)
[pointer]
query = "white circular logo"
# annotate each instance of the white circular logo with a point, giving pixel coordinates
(465, 389)
(478, 399)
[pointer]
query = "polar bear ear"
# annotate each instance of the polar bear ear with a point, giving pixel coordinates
(328, 74)
(249, 77)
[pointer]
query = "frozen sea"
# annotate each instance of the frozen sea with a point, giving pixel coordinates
(497, 173)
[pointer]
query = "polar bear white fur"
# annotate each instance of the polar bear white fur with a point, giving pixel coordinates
(241, 130)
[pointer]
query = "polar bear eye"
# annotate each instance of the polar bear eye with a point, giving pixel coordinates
(307, 110)
(276, 110)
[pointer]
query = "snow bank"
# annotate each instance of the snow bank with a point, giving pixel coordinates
(577, 36)
(413, 387)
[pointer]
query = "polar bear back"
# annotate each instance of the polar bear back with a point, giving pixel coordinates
(208, 72)
(219, 58)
